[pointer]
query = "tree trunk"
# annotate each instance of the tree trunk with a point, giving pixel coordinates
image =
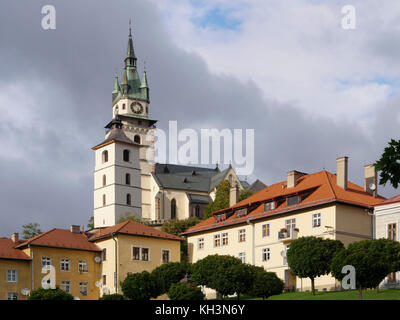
(377, 289)
(360, 291)
(312, 286)
(238, 296)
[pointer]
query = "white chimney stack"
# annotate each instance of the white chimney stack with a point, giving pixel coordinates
(342, 172)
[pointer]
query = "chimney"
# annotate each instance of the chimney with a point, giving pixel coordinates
(15, 237)
(341, 172)
(75, 229)
(292, 177)
(233, 195)
(370, 180)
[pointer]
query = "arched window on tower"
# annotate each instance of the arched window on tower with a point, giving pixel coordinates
(173, 209)
(128, 199)
(136, 139)
(128, 179)
(104, 180)
(126, 155)
(104, 200)
(104, 156)
(230, 179)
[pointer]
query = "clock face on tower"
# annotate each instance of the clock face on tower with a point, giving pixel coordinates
(136, 108)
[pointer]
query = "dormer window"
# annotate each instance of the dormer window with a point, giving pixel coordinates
(269, 205)
(292, 200)
(221, 217)
(241, 212)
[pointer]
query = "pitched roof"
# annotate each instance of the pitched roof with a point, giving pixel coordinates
(200, 179)
(8, 250)
(394, 199)
(257, 185)
(130, 227)
(116, 134)
(321, 188)
(61, 238)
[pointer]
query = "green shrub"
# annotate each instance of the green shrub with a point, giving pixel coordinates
(141, 286)
(114, 296)
(50, 294)
(184, 291)
(170, 273)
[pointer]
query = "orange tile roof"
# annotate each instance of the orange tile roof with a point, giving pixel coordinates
(394, 199)
(61, 238)
(133, 228)
(322, 186)
(8, 250)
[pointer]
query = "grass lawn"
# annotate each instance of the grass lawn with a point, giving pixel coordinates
(384, 294)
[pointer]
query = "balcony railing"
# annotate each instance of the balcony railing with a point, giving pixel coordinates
(288, 234)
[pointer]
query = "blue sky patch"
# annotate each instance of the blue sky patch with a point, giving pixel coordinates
(218, 18)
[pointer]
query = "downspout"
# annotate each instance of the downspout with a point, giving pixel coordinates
(116, 263)
(252, 242)
(373, 221)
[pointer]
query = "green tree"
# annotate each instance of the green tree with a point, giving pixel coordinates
(30, 230)
(244, 194)
(389, 164)
(265, 284)
(221, 200)
(237, 279)
(170, 273)
(90, 224)
(212, 271)
(368, 259)
(141, 286)
(310, 257)
(50, 294)
(126, 217)
(392, 253)
(177, 227)
(185, 291)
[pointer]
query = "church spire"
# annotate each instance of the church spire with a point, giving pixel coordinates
(144, 86)
(117, 88)
(130, 60)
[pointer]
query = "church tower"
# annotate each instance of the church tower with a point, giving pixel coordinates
(131, 134)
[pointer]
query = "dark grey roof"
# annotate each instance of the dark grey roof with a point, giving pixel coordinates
(257, 186)
(245, 184)
(118, 134)
(189, 178)
(196, 198)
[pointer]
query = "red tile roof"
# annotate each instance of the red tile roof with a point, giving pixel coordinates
(394, 199)
(8, 251)
(322, 186)
(61, 238)
(133, 228)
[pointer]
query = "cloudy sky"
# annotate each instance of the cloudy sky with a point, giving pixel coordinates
(311, 90)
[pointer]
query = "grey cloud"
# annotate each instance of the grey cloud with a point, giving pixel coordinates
(76, 62)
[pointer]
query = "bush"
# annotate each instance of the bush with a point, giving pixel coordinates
(141, 286)
(114, 296)
(50, 294)
(265, 284)
(184, 291)
(170, 273)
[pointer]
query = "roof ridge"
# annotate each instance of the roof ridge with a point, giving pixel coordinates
(330, 185)
(30, 240)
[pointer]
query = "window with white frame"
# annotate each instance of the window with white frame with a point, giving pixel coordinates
(12, 296)
(316, 220)
(269, 205)
(12, 275)
(225, 239)
(242, 235)
(140, 254)
(46, 262)
(65, 264)
(83, 266)
(242, 256)
(83, 288)
(200, 243)
(266, 254)
(165, 256)
(266, 230)
(290, 224)
(66, 286)
(217, 240)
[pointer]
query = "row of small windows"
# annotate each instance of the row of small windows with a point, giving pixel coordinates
(125, 153)
(65, 264)
(221, 239)
(143, 254)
